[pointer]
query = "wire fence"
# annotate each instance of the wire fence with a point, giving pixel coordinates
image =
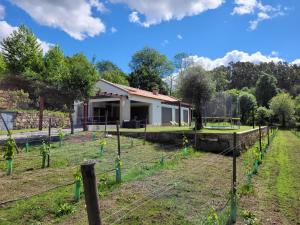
(125, 211)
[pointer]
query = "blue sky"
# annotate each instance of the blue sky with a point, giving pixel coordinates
(214, 32)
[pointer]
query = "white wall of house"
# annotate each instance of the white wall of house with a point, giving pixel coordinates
(174, 107)
(105, 87)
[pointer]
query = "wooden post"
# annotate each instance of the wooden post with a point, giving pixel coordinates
(179, 113)
(233, 197)
(118, 136)
(90, 192)
(85, 115)
(41, 113)
(260, 145)
(145, 132)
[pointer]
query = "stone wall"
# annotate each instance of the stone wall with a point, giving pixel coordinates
(30, 119)
(211, 142)
(4, 100)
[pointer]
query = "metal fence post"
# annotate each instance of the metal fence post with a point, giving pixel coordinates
(260, 144)
(90, 192)
(233, 194)
(118, 161)
(145, 132)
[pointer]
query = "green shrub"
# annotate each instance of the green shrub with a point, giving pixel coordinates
(64, 209)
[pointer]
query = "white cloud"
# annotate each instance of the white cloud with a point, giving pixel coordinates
(113, 30)
(179, 37)
(157, 11)
(233, 56)
(134, 18)
(258, 9)
(45, 45)
(296, 62)
(72, 16)
(98, 5)
(6, 29)
(2, 12)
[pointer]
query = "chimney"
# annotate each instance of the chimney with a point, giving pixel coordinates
(155, 90)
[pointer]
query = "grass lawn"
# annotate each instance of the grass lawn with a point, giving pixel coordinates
(4, 132)
(179, 192)
(186, 129)
(276, 197)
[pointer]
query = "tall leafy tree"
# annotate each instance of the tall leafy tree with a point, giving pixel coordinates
(148, 67)
(263, 115)
(283, 106)
(265, 89)
(56, 68)
(221, 76)
(2, 64)
(243, 74)
(79, 82)
(22, 52)
(247, 106)
(179, 61)
(111, 72)
(196, 87)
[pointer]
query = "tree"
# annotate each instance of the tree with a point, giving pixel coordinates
(56, 68)
(283, 106)
(79, 83)
(247, 106)
(111, 72)
(2, 64)
(297, 107)
(243, 74)
(263, 115)
(179, 61)
(221, 75)
(148, 67)
(265, 89)
(196, 87)
(22, 52)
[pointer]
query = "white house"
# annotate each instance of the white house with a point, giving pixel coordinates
(115, 102)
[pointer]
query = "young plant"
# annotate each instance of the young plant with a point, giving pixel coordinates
(64, 209)
(102, 144)
(78, 178)
(10, 147)
(61, 135)
(212, 218)
(45, 152)
(185, 143)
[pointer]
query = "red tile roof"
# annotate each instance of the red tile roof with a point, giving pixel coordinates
(143, 93)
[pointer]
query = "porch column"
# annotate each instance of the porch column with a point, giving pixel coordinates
(85, 115)
(179, 113)
(124, 109)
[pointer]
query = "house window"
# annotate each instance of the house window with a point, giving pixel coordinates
(166, 115)
(185, 116)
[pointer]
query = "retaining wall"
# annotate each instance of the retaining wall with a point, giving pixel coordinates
(211, 142)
